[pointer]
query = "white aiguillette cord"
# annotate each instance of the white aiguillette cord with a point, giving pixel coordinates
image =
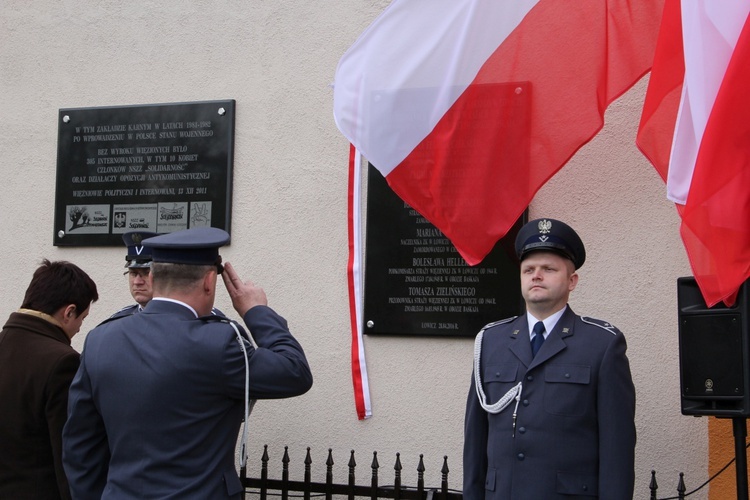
(248, 403)
(513, 393)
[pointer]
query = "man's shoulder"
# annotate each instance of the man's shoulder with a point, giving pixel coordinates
(121, 313)
(500, 325)
(600, 325)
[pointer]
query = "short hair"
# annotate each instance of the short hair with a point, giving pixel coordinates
(170, 276)
(58, 284)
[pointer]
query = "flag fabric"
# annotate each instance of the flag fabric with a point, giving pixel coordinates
(468, 107)
(695, 129)
(354, 279)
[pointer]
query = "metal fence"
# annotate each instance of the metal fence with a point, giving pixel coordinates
(263, 487)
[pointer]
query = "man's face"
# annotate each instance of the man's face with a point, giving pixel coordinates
(546, 281)
(140, 287)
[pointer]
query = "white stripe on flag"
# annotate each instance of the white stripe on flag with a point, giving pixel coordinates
(710, 30)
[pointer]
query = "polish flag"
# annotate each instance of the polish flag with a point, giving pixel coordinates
(695, 129)
(468, 107)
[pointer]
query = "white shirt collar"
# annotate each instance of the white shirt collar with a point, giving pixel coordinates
(166, 299)
(549, 322)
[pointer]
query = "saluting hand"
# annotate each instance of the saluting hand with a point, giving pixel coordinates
(244, 294)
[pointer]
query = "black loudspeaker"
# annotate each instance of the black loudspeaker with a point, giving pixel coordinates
(714, 353)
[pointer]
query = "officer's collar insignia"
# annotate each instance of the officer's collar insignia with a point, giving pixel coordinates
(566, 330)
(515, 332)
(544, 226)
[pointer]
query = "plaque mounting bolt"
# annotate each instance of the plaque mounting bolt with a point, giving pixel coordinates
(370, 324)
(61, 234)
(222, 111)
(66, 119)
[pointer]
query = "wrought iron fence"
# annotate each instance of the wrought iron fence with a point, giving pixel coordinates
(263, 487)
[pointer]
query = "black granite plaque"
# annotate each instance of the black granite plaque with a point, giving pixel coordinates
(416, 282)
(156, 167)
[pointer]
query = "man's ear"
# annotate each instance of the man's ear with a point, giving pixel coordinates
(69, 312)
(209, 282)
(65, 314)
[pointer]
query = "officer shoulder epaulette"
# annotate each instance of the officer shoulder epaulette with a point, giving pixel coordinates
(601, 324)
(215, 317)
(500, 322)
(114, 317)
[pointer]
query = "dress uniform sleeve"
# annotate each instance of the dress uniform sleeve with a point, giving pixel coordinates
(616, 410)
(475, 446)
(278, 367)
(85, 448)
(56, 411)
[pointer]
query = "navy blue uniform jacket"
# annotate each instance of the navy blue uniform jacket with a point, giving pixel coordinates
(575, 431)
(156, 405)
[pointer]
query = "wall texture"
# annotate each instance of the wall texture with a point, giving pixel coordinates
(277, 59)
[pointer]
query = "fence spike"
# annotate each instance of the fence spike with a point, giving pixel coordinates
(285, 474)
(681, 486)
(352, 466)
(374, 481)
(329, 475)
(420, 475)
(444, 482)
(652, 485)
(308, 462)
(397, 478)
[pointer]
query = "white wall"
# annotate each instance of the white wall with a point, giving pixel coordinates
(277, 59)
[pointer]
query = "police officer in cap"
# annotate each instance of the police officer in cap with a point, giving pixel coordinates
(551, 408)
(156, 406)
(138, 264)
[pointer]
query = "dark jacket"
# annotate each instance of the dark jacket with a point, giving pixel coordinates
(156, 405)
(37, 365)
(575, 431)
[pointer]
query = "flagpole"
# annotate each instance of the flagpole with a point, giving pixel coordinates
(739, 425)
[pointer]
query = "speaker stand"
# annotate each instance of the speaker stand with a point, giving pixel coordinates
(739, 427)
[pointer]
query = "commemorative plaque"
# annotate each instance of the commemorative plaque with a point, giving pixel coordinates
(158, 167)
(416, 282)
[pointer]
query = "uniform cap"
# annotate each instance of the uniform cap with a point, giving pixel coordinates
(198, 246)
(139, 256)
(553, 236)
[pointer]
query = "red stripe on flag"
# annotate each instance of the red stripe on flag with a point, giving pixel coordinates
(659, 115)
(360, 397)
(716, 217)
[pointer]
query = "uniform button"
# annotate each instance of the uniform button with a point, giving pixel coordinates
(567, 375)
(526, 402)
(585, 488)
(522, 430)
(530, 378)
(521, 456)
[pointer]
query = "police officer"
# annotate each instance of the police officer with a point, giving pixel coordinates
(551, 408)
(138, 264)
(156, 405)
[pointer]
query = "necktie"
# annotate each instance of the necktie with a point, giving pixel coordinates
(538, 339)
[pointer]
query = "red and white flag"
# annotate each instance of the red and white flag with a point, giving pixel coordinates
(468, 107)
(695, 129)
